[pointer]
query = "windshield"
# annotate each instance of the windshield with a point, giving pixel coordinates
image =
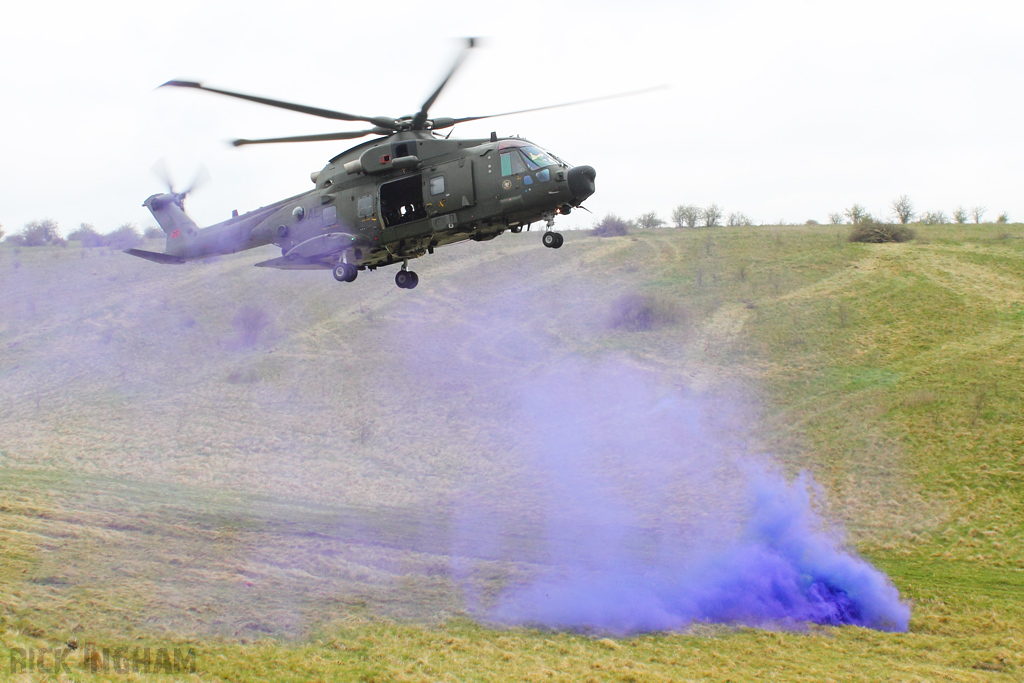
(536, 157)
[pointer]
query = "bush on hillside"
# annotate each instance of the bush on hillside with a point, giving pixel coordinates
(934, 218)
(87, 235)
(38, 234)
(125, 237)
(610, 226)
(153, 232)
(875, 233)
(641, 312)
(711, 215)
(737, 218)
(648, 220)
(686, 215)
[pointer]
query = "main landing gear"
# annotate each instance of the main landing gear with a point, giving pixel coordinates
(345, 272)
(552, 239)
(406, 279)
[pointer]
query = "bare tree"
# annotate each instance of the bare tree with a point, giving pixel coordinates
(686, 215)
(40, 233)
(960, 215)
(856, 213)
(677, 216)
(1, 231)
(977, 212)
(648, 220)
(711, 215)
(835, 218)
(903, 207)
(934, 218)
(738, 218)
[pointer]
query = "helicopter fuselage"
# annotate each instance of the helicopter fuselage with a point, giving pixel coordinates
(390, 200)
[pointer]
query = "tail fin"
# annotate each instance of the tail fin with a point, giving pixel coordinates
(168, 212)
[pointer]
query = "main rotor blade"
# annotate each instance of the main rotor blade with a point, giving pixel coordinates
(382, 121)
(421, 117)
(347, 135)
(556, 106)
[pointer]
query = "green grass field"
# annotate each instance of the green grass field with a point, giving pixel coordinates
(253, 464)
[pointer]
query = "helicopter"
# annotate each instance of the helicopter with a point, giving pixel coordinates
(388, 200)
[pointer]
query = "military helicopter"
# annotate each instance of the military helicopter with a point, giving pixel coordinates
(392, 199)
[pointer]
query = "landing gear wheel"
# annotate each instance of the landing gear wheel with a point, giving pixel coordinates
(406, 279)
(345, 272)
(552, 239)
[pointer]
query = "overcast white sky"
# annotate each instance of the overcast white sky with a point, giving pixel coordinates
(785, 110)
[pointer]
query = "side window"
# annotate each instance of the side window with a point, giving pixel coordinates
(365, 206)
(437, 185)
(330, 215)
(512, 163)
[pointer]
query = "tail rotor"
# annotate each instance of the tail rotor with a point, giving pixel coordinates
(161, 171)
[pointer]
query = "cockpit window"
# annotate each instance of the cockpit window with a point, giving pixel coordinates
(512, 163)
(536, 157)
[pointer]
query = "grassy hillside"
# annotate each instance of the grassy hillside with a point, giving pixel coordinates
(276, 469)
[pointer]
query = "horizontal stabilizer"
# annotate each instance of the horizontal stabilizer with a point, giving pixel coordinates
(154, 256)
(286, 263)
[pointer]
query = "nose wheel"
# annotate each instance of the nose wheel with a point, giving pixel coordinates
(406, 279)
(552, 240)
(345, 272)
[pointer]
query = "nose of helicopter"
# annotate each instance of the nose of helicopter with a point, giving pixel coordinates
(581, 182)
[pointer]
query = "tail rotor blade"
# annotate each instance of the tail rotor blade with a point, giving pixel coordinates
(159, 169)
(201, 178)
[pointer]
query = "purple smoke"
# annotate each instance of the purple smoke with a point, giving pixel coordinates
(782, 571)
(653, 517)
(477, 430)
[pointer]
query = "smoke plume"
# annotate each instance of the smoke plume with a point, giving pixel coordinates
(649, 515)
